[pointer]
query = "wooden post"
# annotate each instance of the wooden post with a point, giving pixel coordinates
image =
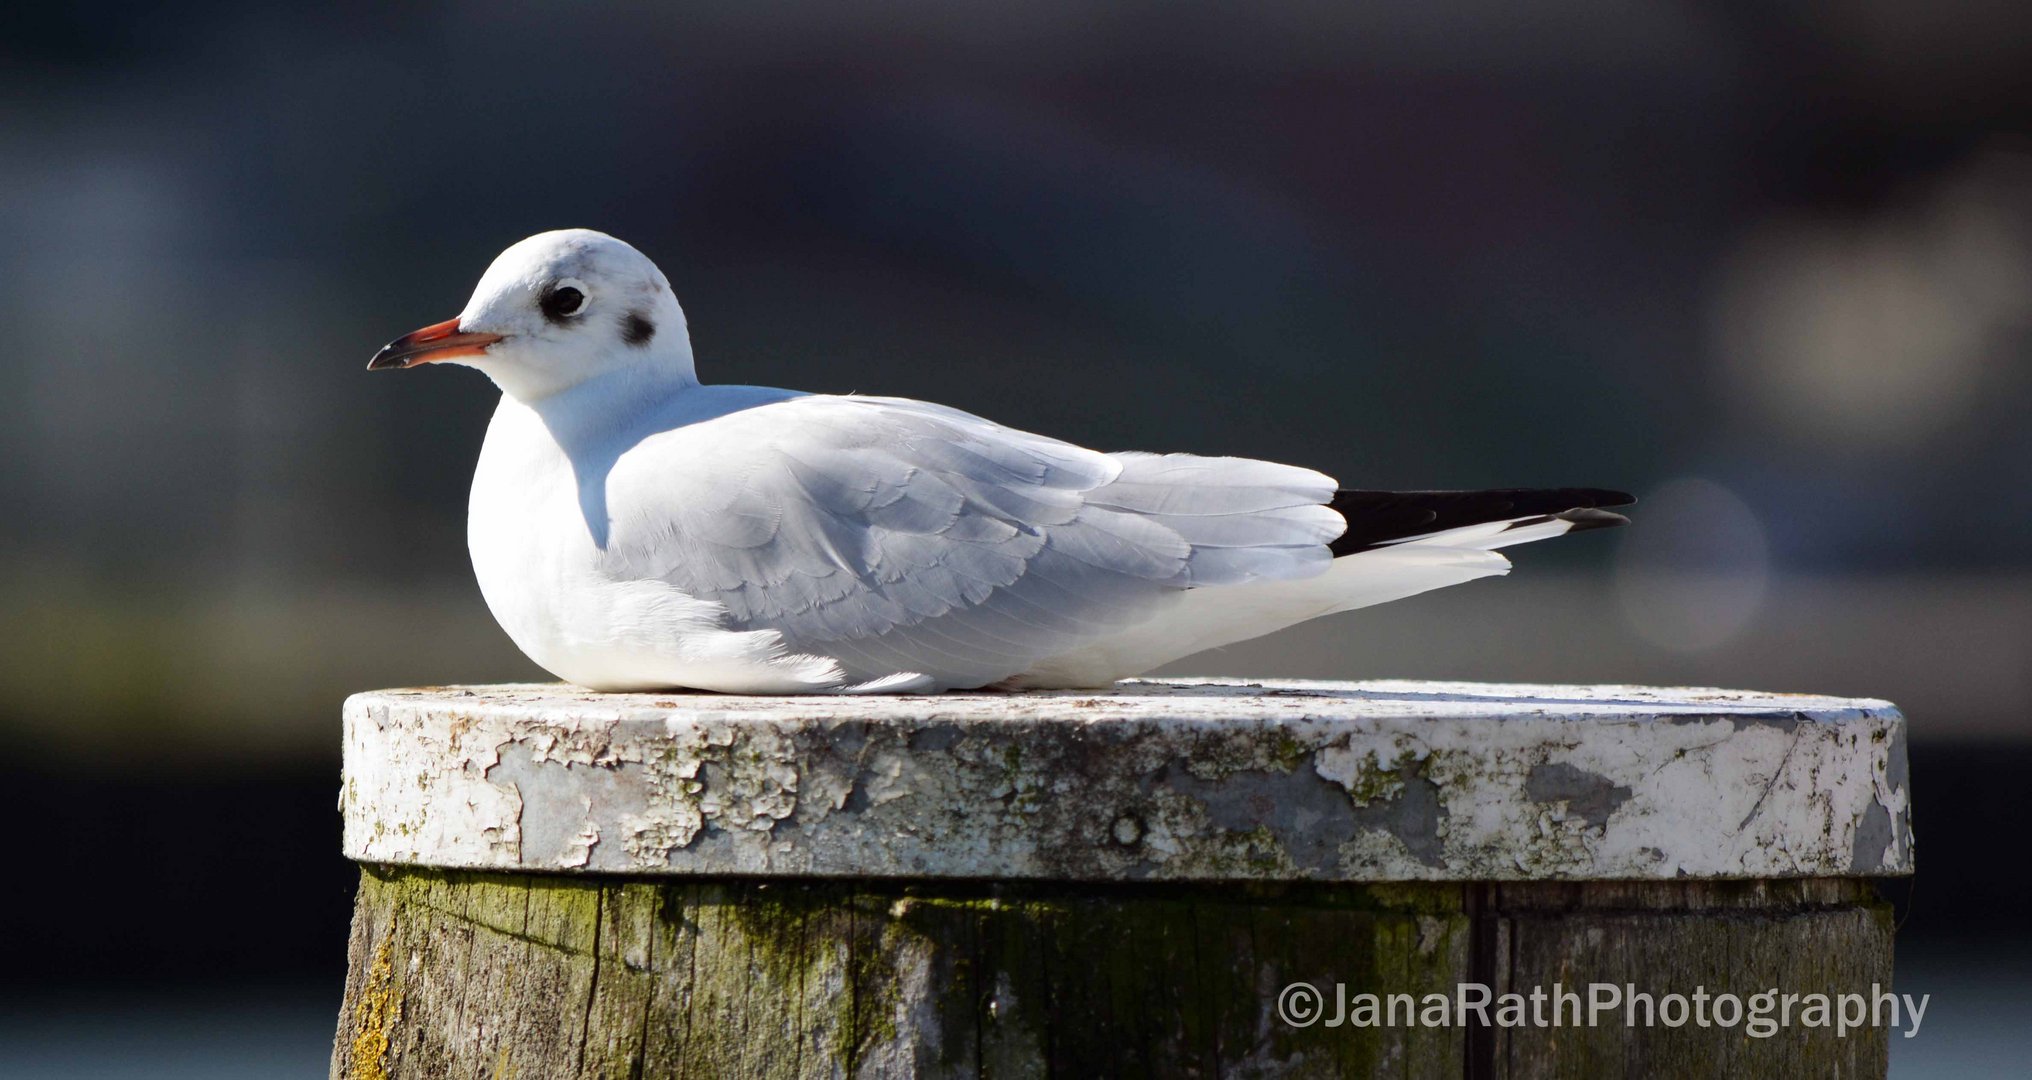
(1126, 883)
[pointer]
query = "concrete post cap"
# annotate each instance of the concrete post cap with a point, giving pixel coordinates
(1171, 780)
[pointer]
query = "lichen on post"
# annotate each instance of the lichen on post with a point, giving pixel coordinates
(559, 883)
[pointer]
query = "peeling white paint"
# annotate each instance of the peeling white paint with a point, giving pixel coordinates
(578, 851)
(1180, 780)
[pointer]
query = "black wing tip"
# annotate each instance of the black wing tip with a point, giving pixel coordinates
(1377, 518)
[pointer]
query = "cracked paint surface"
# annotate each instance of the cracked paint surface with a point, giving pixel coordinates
(1173, 780)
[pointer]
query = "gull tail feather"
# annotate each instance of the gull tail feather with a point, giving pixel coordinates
(1388, 564)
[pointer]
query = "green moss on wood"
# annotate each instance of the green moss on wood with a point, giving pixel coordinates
(558, 976)
(374, 1016)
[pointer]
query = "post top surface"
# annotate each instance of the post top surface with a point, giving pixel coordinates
(1211, 699)
(1179, 779)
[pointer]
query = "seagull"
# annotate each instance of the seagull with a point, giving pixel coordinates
(633, 529)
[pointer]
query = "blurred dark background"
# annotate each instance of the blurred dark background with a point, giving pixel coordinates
(1769, 265)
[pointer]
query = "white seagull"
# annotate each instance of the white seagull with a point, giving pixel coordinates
(633, 529)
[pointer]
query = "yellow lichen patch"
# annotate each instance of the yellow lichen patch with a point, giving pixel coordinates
(380, 1006)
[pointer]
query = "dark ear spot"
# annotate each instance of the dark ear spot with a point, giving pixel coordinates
(636, 329)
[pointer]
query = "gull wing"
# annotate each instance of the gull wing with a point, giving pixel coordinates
(900, 537)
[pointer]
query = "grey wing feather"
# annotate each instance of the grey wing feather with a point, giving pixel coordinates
(898, 536)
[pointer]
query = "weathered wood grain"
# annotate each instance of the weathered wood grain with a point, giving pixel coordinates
(479, 974)
(473, 974)
(1801, 937)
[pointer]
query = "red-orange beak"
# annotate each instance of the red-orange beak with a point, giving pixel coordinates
(439, 341)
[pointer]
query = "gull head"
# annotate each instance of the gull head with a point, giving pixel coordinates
(554, 311)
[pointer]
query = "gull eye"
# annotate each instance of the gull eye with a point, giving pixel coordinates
(562, 300)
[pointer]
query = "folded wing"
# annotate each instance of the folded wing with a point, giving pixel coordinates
(905, 538)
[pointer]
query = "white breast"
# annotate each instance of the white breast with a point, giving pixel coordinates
(534, 527)
(518, 529)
